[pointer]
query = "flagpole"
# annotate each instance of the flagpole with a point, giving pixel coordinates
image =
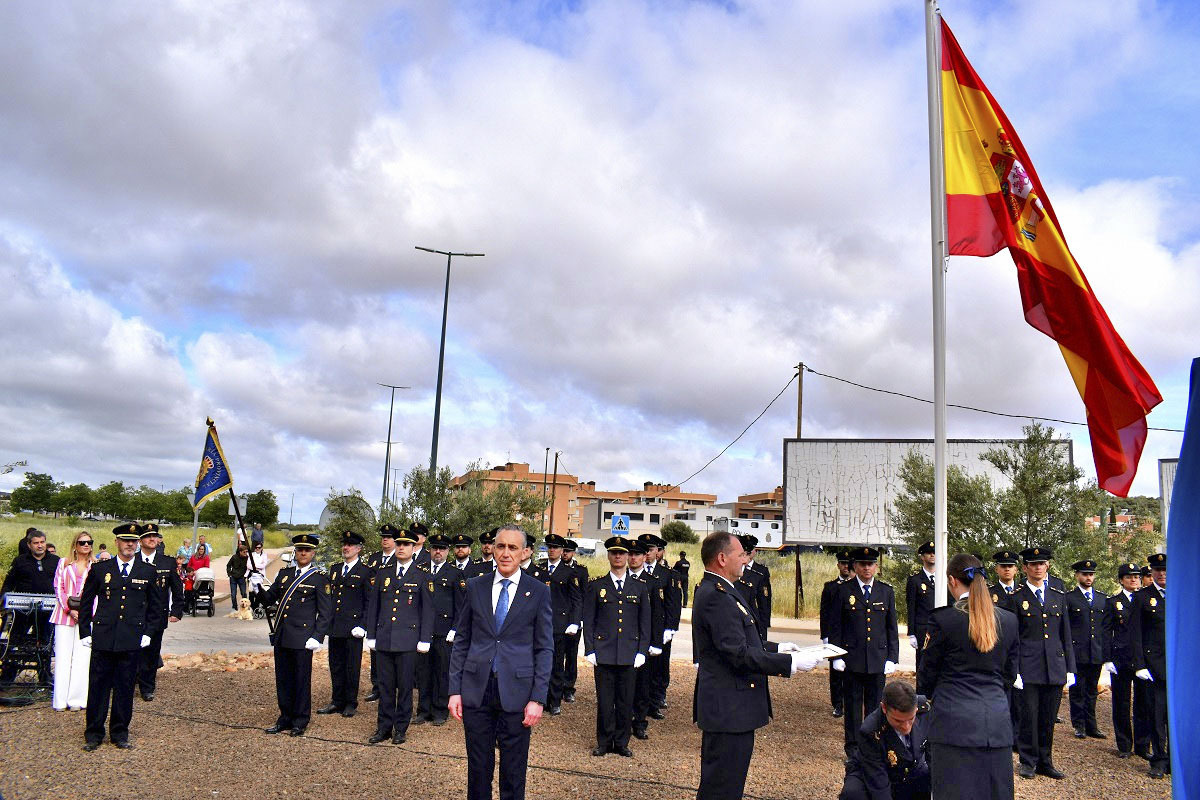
(937, 224)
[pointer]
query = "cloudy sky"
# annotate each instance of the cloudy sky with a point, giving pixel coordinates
(211, 208)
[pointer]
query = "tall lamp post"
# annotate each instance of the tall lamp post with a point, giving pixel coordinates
(437, 403)
(387, 458)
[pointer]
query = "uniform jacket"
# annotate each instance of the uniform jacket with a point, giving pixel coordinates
(867, 631)
(763, 597)
(351, 596)
(480, 567)
(1046, 655)
(378, 559)
(400, 612)
(672, 595)
(1148, 632)
(829, 604)
(168, 587)
(656, 588)
(537, 573)
(1087, 626)
(731, 694)
(1118, 648)
(521, 652)
(448, 594)
(882, 760)
(616, 625)
(566, 595)
(421, 556)
(751, 586)
(1002, 598)
(968, 689)
(918, 594)
(307, 611)
(124, 608)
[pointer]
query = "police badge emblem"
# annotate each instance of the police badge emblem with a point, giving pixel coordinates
(892, 760)
(108, 577)
(1119, 606)
(1024, 605)
(1153, 602)
(853, 600)
(387, 582)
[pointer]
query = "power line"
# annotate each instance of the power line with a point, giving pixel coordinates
(963, 407)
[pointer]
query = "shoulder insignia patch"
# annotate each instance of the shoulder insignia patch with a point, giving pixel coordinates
(431, 587)
(766, 591)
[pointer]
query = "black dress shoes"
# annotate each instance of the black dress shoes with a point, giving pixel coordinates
(329, 709)
(1051, 772)
(377, 738)
(90, 746)
(569, 697)
(399, 738)
(1079, 734)
(623, 751)
(372, 697)
(437, 722)
(1123, 754)
(654, 713)
(554, 711)
(1025, 771)
(418, 721)
(1097, 734)
(147, 696)
(1156, 773)
(837, 713)
(596, 751)
(124, 744)
(296, 732)
(276, 728)
(640, 733)
(349, 711)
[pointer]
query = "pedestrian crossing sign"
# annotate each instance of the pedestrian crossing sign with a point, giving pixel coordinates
(620, 524)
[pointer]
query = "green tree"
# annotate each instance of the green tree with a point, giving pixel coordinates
(261, 507)
(349, 511)
(216, 511)
(111, 498)
(426, 499)
(75, 499)
(35, 493)
(146, 503)
(678, 531)
(971, 507)
(177, 509)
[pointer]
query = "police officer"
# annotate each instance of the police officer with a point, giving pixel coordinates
(1046, 662)
(890, 761)
(616, 635)
(350, 591)
(169, 589)
(386, 557)
(1085, 610)
(486, 565)
(302, 619)
(460, 544)
(828, 608)
(864, 625)
(566, 599)
(918, 593)
(126, 606)
(764, 592)
(672, 613)
(683, 567)
(573, 640)
(1004, 595)
(754, 588)
(399, 625)
(529, 566)
(448, 592)
(1148, 635)
(644, 674)
(1118, 662)
(420, 533)
(1147, 576)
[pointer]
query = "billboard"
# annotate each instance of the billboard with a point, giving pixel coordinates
(842, 491)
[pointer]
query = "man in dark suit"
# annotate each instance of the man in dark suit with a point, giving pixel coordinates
(301, 594)
(574, 639)
(731, 699)
(500, 668)
(828, 608)
(864, 625)
(890, 760)
(1148, 636)
(350, 592)
(126, 605)
(169, 588)
(375, 561)
(447, 593)
(1118, 662)
(918, 595)
(1046, 663)
(566, 596)
(1085, 610)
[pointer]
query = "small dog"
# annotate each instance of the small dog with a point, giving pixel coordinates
(243, 611)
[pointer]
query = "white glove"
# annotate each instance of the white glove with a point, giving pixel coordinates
(638, 660)
(85, 641)
(888, 667)
(450, 637)
(1018, 684)
(590, 658)
(825, 640)
(145, 641)
(668, 635)
(912, 642)
(572, 629)
(695, 665)
(358, 632)
(1109, 667)
(655, 651)
(369, 644)
(312, 644)
(1144, 674)
(1070, 679)
(422, 647)
(788, 647)
(802, 663)
(838, 665)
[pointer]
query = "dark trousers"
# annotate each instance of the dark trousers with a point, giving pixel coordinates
(422, 672)
(111, 675)
(558, 675)
(485, 728)
(1014, 712)
(835, 689)
(661, 678)
(724, 762)
(1082, 697)
(920, 634)
(572, 662)
(345, 667)
(374, 674)
(971, 773)
(614, 705)
(293, 686)
(1160, 751)
(149, 660)
(396, 672)
(234, 585)
(1142, 715)
(915, 788)
(643, 678)
(1122, 692)
(861, 692)
(1039, 707)
(435, 681)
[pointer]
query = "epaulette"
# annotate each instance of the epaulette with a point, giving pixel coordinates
(1060, 591)
(721, 586)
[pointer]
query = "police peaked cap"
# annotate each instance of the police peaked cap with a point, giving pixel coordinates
(571, 545)
(489, 537)
(749, 541)
(651, 540)
(304, 540)
(405, 535)
(1034, 555)
(350, 537)
(636, 546)
(1125, 570)
(128, 531)
(1144, 571)
(1005, 558)
(843, 556)
(925, 548)
(418, 529)
(462, 540)
(554, 540)
(1087, 565)
(388, 531)
(1158, 561)
(866, 554)
(438, 540)
(616, 544)
(149, 529)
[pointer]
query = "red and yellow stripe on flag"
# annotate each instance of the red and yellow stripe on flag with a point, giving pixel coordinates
(995, 200)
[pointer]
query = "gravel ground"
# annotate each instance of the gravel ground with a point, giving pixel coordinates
(201, 738)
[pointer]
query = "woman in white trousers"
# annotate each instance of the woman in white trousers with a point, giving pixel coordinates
(71, 659)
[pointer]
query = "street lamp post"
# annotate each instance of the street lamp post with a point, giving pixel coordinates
(387, 458)
(437, 403)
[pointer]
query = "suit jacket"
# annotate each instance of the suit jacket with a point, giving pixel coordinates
(882, 760)
(125, 608)
(351, 596)
(24, 576)
(169, 588)
(566, 595)
(449, 592)
(616, 625)
(307, 610)
(829, 604)
(400, 612)
(731, 694)
(918, 595)
(1046, 655)
(521, 652)
(867, 631)
(1087, 626)
(968, 689)
(1148, 632)
(1118, 645)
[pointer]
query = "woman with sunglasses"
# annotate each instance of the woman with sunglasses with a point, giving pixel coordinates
(71, 659)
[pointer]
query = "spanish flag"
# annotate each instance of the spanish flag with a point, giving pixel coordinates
(994, 200)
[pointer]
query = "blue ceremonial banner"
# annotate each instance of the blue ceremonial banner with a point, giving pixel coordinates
(1183, 646)
(214, 476)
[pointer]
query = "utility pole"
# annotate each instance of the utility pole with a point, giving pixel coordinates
(387, 458)
(291, 506)
(545, 467)
(798, 598)
(553, 489)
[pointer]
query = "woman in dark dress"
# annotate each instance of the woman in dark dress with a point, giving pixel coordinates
(970, 658)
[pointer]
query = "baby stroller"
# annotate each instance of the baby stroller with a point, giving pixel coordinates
(202, 591)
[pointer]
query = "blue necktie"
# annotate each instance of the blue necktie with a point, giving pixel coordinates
(1089, 597)
(124, 570)
(1008, 589)
(502, 603)
(867, 593)
(619, 585)
(1038, 592)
